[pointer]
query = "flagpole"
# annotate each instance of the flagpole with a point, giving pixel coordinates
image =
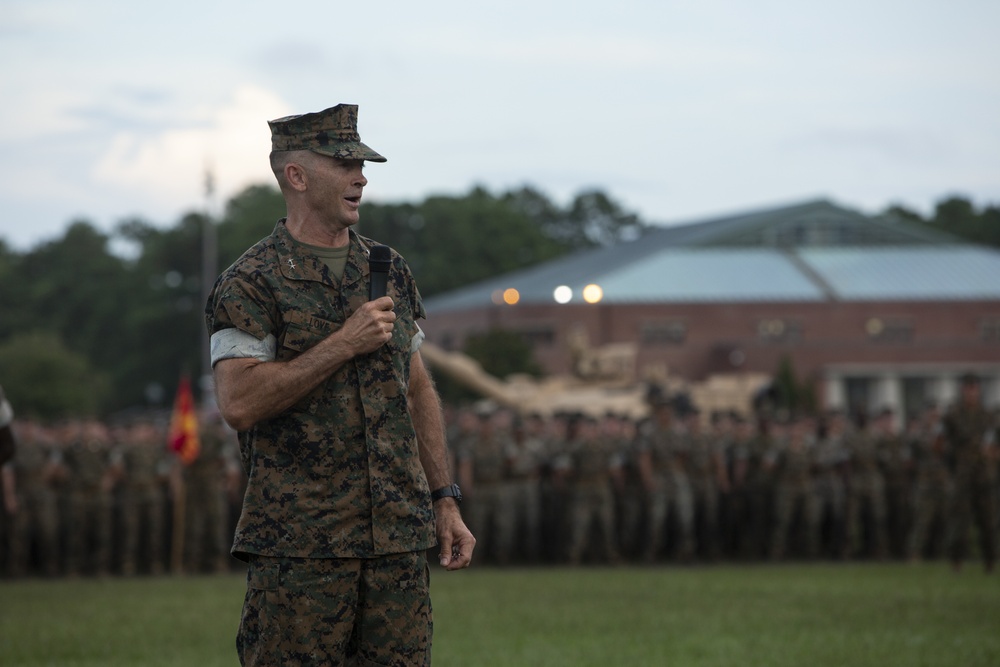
(209, 271)
(184, 442)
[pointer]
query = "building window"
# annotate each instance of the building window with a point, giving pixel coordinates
(889, 330)
(779, 330)
(989, 329)
(538, 335)
(671, 332)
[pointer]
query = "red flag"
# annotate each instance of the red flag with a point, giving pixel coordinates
(183, 437)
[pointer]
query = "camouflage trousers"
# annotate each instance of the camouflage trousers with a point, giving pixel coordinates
(144, 511)
(491, 521)
(524, 503)
(672, 497)
(592, 501)
(705, 499)
(337, 611)
(789, 497)
(866, 492)
(971, 502)
(89, 538)
(37, 520)
(930, 504)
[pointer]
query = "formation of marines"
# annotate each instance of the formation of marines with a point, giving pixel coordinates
(686, 487)
(87, 498)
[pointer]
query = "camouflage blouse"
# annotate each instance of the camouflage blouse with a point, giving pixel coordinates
(337, 475)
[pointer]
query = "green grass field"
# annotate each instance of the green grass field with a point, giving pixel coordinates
(801, 615)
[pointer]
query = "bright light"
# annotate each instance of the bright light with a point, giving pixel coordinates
(511, 296)
(563, 294)
(593, 293)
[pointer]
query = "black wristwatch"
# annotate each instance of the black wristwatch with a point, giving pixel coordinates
(451, 491)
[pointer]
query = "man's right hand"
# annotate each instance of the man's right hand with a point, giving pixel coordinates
(370, 327)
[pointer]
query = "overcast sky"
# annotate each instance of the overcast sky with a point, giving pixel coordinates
(679, 110)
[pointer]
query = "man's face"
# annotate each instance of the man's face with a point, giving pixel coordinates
(970, 393)
(335, 188)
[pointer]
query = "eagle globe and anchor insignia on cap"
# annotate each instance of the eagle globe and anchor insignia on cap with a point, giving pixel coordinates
(332, 132)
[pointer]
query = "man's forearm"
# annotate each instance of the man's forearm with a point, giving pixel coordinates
(428, 423)
(249, 391)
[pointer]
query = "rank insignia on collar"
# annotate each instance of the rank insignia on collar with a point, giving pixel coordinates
(291, 263)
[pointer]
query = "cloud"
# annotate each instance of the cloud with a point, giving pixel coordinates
(169, 165)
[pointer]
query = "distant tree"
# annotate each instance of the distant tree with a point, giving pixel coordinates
(903, 214)
(789, 393)
(44, 379)
(450, 242)
(959, 217)
(602, 221)
(250, 216)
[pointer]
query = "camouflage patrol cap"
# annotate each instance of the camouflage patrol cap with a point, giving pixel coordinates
(332, 132)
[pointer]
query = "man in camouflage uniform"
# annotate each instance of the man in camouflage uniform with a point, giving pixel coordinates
(145, 466)
(340, 427)
(932, 484)
(793, 490)
(33, 505)
(88, 461)
(709, 479)
(205, 497)
(662, 467)
(830, 461)
(630, 496)
(896, 461)
(483, 471)
(523, 490)
(595, 461)
(754, 474)
(970, 433)
(865, 496)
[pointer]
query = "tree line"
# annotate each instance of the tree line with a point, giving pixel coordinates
(93, 323)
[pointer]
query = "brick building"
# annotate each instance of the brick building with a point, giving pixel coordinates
(873, 312)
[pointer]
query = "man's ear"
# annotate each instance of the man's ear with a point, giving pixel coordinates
(296, 177)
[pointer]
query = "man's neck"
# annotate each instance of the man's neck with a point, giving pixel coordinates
(313, 232)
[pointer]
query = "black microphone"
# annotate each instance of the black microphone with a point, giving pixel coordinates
(379, 260)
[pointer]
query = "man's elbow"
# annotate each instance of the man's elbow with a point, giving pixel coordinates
(238, 420)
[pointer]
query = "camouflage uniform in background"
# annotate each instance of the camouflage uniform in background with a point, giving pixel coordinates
(592, 459)
(932, 486)
(706, 473)
(757, 492)
(145, 464)
(970, 433)
(794, 492)
(830, 461)
(523, 491)
(662, 462)
(336, 476)
(35, 467)
(553, 489)
(486, 470)
(205, 499)
(737, 455)
(898, 467)
(88, 459)
(631, 498)
(866, 496)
